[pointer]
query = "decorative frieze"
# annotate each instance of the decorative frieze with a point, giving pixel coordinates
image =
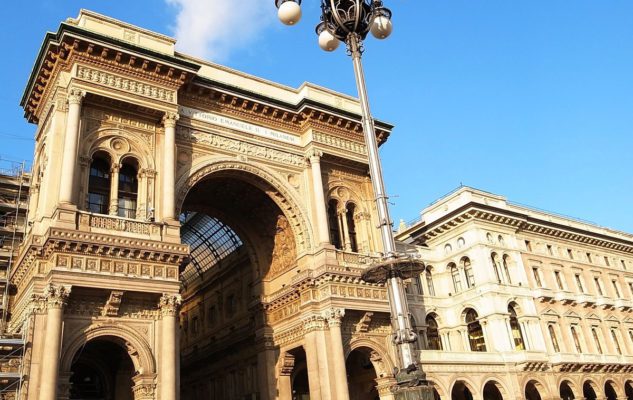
(340, 143)
(125, 84)
(113, 266)
(119, 119)
(239, 146)
(121, 225)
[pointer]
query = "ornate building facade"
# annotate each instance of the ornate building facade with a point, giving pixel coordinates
(196, 232)
(517, 303)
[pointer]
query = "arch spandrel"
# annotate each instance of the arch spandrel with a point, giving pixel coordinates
(269, 181)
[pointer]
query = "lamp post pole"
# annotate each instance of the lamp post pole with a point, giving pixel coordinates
(350, 21)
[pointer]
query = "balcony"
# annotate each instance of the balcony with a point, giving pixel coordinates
(623, 304)
(605, 302)
(544, 294)
(475, 357)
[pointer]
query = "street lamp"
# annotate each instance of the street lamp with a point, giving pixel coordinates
(350, 21)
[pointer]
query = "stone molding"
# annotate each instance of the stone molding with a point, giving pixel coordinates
(314, 323)
(56, 296)
(169, 304)
(125, 84)
(333, 316)
(170, 119)
(75, 96)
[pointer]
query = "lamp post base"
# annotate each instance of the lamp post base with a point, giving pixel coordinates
(412, 386)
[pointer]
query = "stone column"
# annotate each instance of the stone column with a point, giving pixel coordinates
(344, 226)
(71, 139)
(334, 318)
(169, 166)
(169, 305)
(314, 156)
(318, 378)
(56, 297)
(285, 373)
(114, 189)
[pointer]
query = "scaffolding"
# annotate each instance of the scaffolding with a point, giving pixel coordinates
(14, 192)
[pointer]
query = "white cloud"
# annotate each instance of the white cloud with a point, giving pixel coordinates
(211, 29)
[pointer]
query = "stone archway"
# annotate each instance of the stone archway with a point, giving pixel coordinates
(628, 390)
(128, 351)
(566, 391)
(461, 391)
(609, 391)
(532, 391)
(589, 390)
(263, 178)
(492, 391)
(361, 375)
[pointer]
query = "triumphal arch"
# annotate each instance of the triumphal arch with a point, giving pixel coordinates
(193, 232)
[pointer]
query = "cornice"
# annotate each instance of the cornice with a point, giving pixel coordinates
(70, 44)
(520, 222)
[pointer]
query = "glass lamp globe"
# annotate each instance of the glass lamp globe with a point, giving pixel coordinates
(289, 12)
(327, 41)
(381, 27)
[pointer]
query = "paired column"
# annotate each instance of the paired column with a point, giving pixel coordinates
(71, 140)
(169, 305)
(318, 378)
(55, 298)
(114, 189)
(334, 318)
(169, 166)
(314, 156)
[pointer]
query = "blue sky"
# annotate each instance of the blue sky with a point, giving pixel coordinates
(532, 100)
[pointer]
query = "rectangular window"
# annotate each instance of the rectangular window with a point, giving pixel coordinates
(570, 254)
(418, 285)
(631, 288)
(606, 261)
(552, 336)
(549, 250)
(616, 342)
(615, 288)
(537, 277)
(194, 326)
(589, 257)
(581, 289)
(528, 245)
(574, 335)
(559, 280)
(598, 287)
(596, 339)
(623, 264)
(211, 316)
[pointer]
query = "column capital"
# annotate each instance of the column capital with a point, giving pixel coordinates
(115, 168)
(170, 119)
(75, 96)
(314, 156)
(56, 296)
(313, 323)
(169, 304)
(333, 316)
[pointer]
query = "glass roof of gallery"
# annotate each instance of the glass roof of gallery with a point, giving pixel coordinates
(210, 241)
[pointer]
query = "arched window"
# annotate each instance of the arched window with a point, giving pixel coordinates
(468, 271)
(457, 282)
(432, 333)
(99, 184)
(351, 226)
(495, 266)
(475, 331)
(574, 335)
(335, 231)
(553, 338)
(517, 335)
(506, 268)
(429, 282)
(128, 189)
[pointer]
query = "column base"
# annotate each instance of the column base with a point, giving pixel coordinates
(412, 386)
